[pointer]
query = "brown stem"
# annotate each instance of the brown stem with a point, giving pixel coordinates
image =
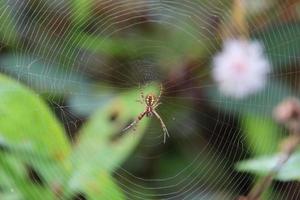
(239, 18)
(237, 27)
(288, 147)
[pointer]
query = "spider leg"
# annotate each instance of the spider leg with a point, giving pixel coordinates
(141, 92)
(135, 121)
(157, 104)
(166, 133)
(160, 92)
(139, 101)
(142, 96)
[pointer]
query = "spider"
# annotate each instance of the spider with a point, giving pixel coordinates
(151, 101)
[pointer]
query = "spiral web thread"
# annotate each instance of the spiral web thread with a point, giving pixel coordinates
(47, 37)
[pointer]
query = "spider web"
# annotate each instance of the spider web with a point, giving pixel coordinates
(171, 42)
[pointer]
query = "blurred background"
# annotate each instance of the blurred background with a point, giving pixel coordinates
(71, 71)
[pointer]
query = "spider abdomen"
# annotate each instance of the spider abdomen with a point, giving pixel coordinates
(149, 111)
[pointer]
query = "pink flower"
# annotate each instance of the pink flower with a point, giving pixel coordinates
(241, 68)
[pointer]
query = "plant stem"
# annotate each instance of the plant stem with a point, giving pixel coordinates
(288, 147)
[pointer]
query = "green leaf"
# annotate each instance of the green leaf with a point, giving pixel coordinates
(100, 186)
(281, 43)
(51, 171)
(26, 121)
(261, 133)
(100, 137)
(7, 181)
(101, 146)
(18, 185)
(30, 133)
(262, 165)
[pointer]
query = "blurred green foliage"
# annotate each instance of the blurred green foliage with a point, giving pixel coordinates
(263, 165)
(83, 53)
(263, 128)
(31, 136)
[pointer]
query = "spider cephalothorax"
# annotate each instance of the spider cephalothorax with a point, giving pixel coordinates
(151, 102)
